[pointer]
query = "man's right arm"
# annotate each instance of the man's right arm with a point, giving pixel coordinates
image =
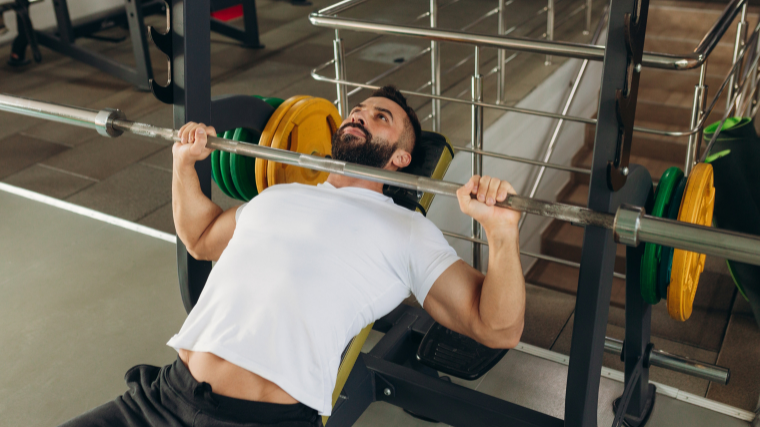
(201, 225)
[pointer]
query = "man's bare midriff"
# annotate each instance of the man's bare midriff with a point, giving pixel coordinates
(228, 379)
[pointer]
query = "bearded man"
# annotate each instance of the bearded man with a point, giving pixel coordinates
(302, 269)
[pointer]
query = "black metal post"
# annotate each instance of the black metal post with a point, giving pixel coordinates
(191, 46)
(599, 248)
(143, 68)
(62, 18)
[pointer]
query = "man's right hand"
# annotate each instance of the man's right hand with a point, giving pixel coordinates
(192, 147)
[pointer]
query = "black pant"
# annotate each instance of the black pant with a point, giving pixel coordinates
(170, 396)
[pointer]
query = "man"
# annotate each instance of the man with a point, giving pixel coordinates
(301, 270)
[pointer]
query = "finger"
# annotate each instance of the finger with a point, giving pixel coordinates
(184, 128)
(493, 188)
(200, 137)
(191, 134)
(504, 190)
(210, 130)
(483, 188)
(463, 193)
(185, 136)
(476, 180)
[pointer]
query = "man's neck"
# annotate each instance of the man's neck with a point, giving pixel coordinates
(340, 181)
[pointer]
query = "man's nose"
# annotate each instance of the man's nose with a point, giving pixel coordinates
(357, 118)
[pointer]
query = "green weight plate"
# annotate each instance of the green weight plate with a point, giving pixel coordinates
(650, 262)
(273, 102)
(666, 255)
(216, 170)
(224, 162)
(242, 167)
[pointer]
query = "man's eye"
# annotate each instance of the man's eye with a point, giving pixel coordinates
(382, 117)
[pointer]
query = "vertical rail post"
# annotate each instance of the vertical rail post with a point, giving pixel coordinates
(588, 17)
(549, 27)
(435, 69)
(741, 29)
(501, 71)
(340, 74)
(697, 111)
(477, 159)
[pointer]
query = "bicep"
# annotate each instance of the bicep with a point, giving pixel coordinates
(217, 235)
(454, 299)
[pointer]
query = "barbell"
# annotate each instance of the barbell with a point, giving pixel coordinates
(630, 224)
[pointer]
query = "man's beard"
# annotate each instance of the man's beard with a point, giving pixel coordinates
(372, 151)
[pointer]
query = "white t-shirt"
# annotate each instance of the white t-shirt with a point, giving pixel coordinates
(306, 269)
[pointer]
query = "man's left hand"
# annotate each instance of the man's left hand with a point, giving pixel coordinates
(489, 190)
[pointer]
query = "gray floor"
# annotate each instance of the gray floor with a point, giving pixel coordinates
(83, 301)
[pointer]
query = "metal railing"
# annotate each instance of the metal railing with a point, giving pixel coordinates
(741, 97)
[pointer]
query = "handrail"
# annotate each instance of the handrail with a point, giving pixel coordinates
(711, 39)
(572, 50)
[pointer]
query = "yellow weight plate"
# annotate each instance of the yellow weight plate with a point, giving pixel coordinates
(307, 128)
(697, 208)
(266, 138)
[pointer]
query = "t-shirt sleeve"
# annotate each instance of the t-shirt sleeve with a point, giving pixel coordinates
(430, 256)
(239, 211)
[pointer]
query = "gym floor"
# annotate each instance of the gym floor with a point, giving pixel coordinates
(78, 316)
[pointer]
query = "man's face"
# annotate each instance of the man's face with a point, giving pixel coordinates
(370, 134)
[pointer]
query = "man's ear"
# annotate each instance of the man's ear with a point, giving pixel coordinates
(401, 159)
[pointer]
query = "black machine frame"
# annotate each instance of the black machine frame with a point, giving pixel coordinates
(390, 372)
(63, 38)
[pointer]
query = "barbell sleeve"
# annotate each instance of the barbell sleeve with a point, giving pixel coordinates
(630, 224)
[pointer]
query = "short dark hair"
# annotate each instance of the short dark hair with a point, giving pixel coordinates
(413, 123)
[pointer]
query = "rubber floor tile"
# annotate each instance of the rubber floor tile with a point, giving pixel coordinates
(49, 182)
(101, 157)
(17, 152)
(131, 193)
(161, 219)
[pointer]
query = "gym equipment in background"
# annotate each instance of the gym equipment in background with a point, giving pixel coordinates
(735, 158)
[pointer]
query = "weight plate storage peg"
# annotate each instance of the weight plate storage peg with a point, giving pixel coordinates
(266, 138)
(650, 262)
(696, 208)
(307, 128)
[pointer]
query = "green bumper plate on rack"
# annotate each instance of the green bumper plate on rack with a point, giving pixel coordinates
(242, 168)
(651, 260)
(666, 254)
(224, 162)
(216, 167)
(273, 102)
(234, 174)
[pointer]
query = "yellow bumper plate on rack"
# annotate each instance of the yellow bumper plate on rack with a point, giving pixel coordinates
(266, 138)
(307, 128)
(697, 208)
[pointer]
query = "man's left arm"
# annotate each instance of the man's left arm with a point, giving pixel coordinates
(490, 308)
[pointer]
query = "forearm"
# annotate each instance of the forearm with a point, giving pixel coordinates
(193, 211)
(502, 298)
